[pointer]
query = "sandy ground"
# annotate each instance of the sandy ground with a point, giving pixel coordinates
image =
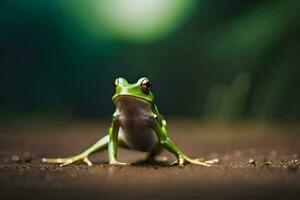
(257, 161)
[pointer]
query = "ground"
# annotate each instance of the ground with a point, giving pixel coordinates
(257, 161)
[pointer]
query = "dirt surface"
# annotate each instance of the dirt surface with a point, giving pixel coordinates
(257, 161)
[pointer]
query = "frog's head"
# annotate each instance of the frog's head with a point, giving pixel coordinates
(141, 89)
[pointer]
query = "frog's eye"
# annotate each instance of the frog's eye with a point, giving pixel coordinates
(116, 83)
(146, 85)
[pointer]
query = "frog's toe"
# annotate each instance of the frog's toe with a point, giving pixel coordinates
(87, 161)
(117, 163)
(179, 162)
(61, 161)
(202, 163)
(54, 160)
(67, 161)
(174, 163)
(212, 161)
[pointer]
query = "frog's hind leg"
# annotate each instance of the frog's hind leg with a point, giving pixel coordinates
(98, 146)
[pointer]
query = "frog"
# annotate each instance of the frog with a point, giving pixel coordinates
(136, 124)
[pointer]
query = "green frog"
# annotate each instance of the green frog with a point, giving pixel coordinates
(137, 125)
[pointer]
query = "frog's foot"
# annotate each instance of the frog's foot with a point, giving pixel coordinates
(69, 160)
(117, 163)
(200, 161)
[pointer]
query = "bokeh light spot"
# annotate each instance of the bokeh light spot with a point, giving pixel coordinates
(143, 20)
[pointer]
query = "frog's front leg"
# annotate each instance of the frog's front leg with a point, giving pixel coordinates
(166, 142)
(113, 142)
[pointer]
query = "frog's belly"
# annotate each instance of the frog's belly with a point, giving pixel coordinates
(136, 123)
(141, 139)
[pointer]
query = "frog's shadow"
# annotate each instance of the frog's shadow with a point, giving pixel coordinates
(147, 163)
(143, 164)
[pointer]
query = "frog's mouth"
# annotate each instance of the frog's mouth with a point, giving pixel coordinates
(127, 98)
(131, 105)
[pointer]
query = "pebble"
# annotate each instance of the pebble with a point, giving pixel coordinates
(252, 161)
(268, 163)
(16, 158)
(294, 161)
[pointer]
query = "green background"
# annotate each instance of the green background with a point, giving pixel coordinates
(213, 59)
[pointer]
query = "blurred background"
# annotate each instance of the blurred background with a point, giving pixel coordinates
(211, 59)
